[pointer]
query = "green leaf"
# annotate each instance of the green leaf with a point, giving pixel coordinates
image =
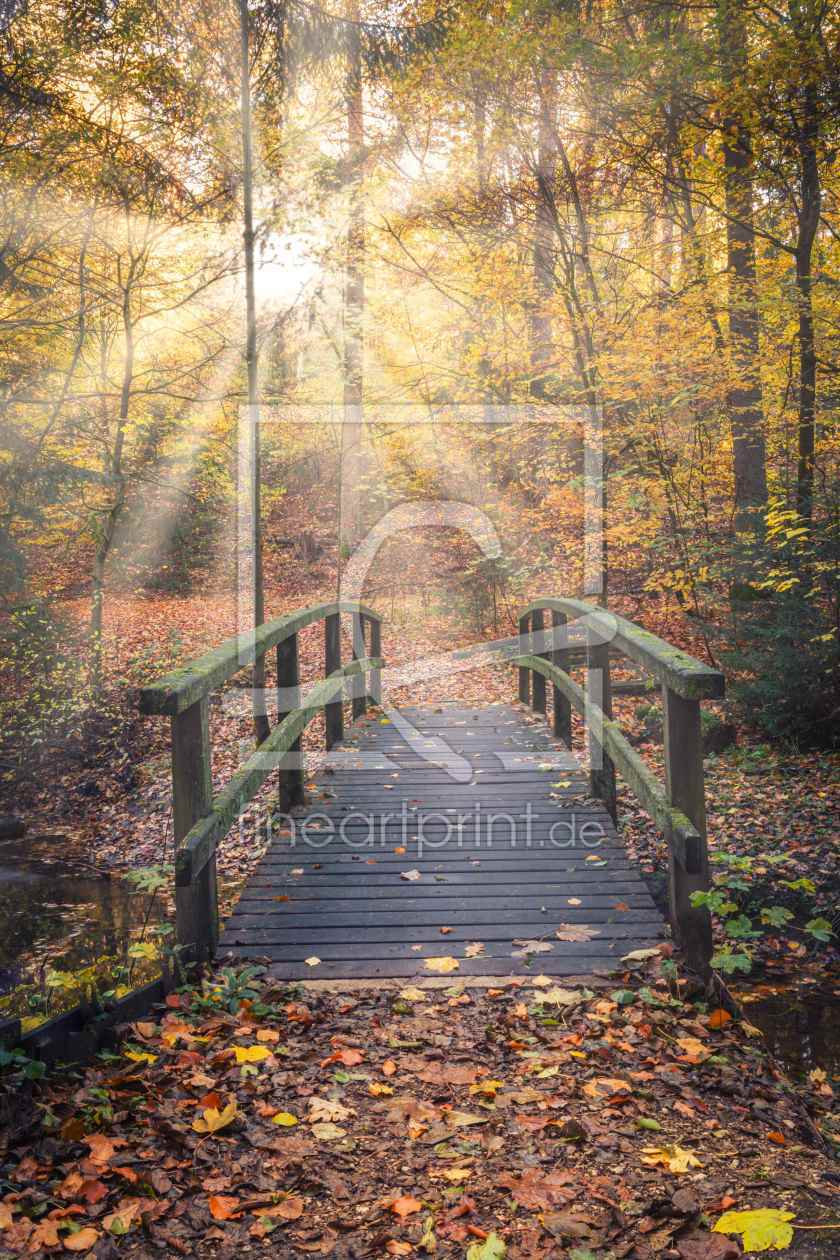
(491, 1249)
(763, 1229)
(645, 1122)
(819, 928)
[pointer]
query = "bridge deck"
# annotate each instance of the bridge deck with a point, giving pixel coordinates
(468, 826)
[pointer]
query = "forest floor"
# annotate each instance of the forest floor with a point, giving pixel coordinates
(618, 1119)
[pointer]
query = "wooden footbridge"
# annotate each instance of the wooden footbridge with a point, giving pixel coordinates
(446, 832)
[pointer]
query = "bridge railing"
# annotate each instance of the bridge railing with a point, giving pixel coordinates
(201, 820)
(678, 808)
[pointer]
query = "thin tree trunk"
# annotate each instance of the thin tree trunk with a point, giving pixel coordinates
(810, 201)
(261, 727)
(746, 412)
(542, 248)
(354, 302)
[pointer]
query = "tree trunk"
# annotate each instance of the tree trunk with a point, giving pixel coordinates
(542, 248)
(354, 302)
(746, 412)
(810, 203)
(261, 727)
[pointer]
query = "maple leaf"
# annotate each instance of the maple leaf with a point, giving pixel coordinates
(377, 1089)
(413, 994)
(474, 949)
(442, 964)
(212, 1120)
(575, 932)
(762, 1229)
(674, 1158)
(531, 947)
(606, 1085)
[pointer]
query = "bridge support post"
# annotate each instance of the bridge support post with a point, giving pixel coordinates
(375, 684)
(288, 679)
(196, 900)
(358, 690)
(538, 687)
(333, 712)
(561, 708)
(524, 650)
(601, 768)
(684, 781)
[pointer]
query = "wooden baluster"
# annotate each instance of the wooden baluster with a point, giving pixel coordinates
(561, 706)
(684, 781)
(196, 899)
(288, 679)
(375, 688)
(524, 650)
(358, 690)
(538, 686)
(333, 712)
(602, 770)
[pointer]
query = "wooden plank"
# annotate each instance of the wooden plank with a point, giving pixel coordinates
(524, 674)
(375, 969)
(334, 711)
(599, 706)
(538, 688)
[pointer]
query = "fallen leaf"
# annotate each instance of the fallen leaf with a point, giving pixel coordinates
(575, 932)
(718, 1018)
(674, 1158)
(223, 1207)
(762, 1229)
(82, 1240)
(410, 875)
(313, 961)
(327, 1132)
(492, 1248)
(531, 947)
(211, 1120)
(474, 949)
(285, 1119)
(405, 1206)
(442, 964)
(251, 1054)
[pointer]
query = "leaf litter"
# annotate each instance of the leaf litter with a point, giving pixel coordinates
(515, 1124)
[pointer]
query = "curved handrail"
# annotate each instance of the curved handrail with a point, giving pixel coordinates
(181, 688)
(680, 671)
(199, 844)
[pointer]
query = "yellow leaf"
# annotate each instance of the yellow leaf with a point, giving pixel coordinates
(763, 1229)
(442, 964)
(140, 1056)
(212, 1119)
(376, 1089)
(285, 1119)
(674, 1158)
(413, 994)
(251, 1054)
(486, 1087)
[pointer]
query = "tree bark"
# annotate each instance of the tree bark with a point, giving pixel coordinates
(746, 411)
(810, 204)
(354, 301)
(261, 726)
(542, 248)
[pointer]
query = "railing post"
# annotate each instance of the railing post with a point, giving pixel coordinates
(358, 690)
(524, 646)
(333, 712)
(684, 781)
(196, 899)
(598, 691)
(538, 687)
(375, 686)
(288, 680)
(562, 709)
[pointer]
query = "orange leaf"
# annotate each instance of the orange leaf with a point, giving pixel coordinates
(405, 1206)
(81, 1241)
(779, 1138)
(718, 1018)
(223, 1207)
(389, 1067)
